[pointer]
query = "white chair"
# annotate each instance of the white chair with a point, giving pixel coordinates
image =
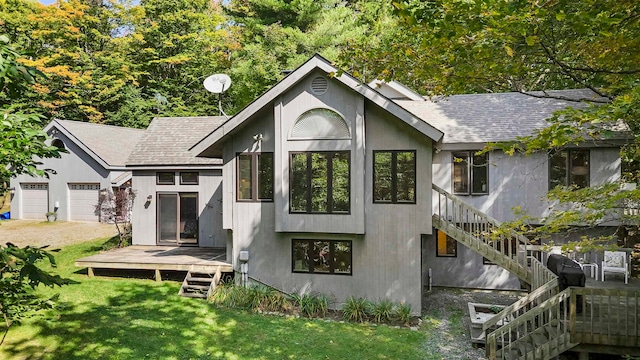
(616, 262)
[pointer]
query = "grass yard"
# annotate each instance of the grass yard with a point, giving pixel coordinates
(120, 318)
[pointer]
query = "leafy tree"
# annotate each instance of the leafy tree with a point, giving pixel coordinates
(484, 46)
(280, 35)
(173, 45)
(21, 135)
(19, 276)
(115, 207)
(21, 139)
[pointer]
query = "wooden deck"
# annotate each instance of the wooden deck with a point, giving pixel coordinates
(136, 257)
(613, 282)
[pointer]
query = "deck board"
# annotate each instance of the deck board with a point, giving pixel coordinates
(159, 258)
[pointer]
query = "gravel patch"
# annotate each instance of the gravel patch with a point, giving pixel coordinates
(445, 318)
(54, 234)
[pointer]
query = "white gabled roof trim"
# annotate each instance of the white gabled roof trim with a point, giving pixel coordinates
(398, 87)
(316, 62)
(58, 126)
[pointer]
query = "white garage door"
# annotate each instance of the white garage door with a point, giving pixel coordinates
(35, 201)
(83, 199)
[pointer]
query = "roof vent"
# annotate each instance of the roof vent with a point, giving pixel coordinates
(319, 85)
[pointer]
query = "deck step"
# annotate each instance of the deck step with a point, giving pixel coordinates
(200, 285)
(197, 287)
(195, 295)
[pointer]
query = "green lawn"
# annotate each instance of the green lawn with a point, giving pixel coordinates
(120, 318)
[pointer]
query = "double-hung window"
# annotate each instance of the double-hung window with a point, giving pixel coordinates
(569, 168)
(394, 177)
(470, 173)
(255, 176)
(319, 182)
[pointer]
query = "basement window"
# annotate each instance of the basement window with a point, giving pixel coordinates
(321, 256)
(446, 245)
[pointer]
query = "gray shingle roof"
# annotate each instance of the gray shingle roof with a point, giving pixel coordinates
(168, 139)
(480, 118)
(113, 144)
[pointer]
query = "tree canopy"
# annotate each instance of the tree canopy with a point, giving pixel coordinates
(21, 136)
(21, 144)
(455, 47)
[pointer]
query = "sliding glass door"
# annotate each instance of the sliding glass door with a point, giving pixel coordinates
(177, 218)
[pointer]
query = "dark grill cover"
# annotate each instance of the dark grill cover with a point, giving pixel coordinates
(568, 271)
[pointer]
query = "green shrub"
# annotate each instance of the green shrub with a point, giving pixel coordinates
(312, 304)
(254, 298)
(355, 309)
(382, 311)
(221, 295)
(274, 300)
(402, 313)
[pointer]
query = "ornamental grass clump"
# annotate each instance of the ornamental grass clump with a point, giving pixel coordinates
(382, 311)
(402, 313)
(230, 296)
(312, 304)
(355, 309)
(252, 298)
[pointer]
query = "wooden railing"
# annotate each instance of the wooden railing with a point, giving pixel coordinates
(546, 322)
(478, 231)
(545, 286)
(540, 333)
(605, 316)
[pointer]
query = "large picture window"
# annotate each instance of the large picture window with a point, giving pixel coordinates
(569, 168)
(321, 256)
(470, 173)
(394, 177)
(319, 182)
(255, 177)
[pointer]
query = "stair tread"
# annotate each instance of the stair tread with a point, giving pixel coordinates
(195, 295)
(200, 279)
(197, 287)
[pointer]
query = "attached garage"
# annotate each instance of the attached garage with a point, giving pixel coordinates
(83, 199)
(35, 201)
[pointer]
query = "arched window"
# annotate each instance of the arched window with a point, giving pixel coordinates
(320, 124)
(58, 143)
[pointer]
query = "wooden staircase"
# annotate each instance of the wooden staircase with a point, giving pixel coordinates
(534, 327)
(478, 231)
(200, 284)
(540, 333)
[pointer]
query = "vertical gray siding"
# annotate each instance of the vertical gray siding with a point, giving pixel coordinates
(209, 189)
(287, 110)
(514, 181)
(74, 167)
(385, 237)
(522, 180)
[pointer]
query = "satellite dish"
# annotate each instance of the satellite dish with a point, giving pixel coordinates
(217, 83)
